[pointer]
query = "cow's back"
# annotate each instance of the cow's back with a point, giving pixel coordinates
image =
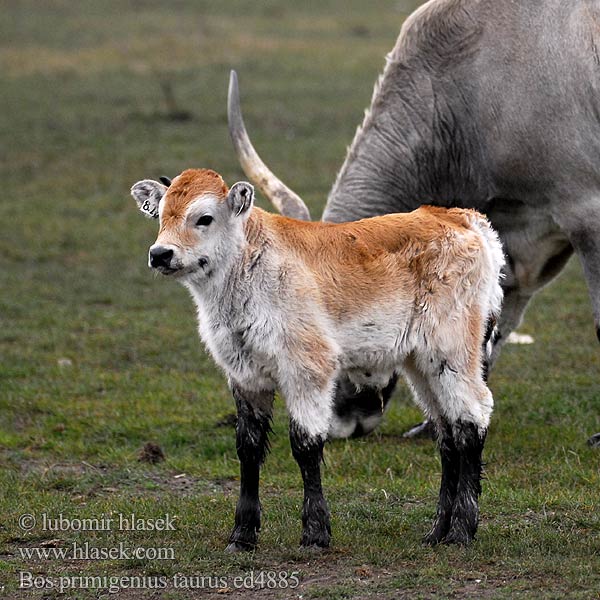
(521, 81)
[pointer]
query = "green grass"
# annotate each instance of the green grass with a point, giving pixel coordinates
(98, 356)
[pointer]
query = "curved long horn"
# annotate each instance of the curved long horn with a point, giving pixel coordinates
(285, 201)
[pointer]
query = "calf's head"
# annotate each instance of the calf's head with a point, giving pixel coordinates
(201, 220)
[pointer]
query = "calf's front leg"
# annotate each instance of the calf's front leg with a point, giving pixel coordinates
(308, 452)
(253, 426)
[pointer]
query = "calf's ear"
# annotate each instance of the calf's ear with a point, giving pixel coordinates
(147, 194)
(240, 198)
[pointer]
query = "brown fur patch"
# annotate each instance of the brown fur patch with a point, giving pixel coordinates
(414, 255)
(189, 185)
(473, 338)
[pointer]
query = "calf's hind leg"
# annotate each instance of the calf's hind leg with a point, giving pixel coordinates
(461, 406)
(448, 487)
(253, 426)
(427, 399)
(466, 405)
(469, 441)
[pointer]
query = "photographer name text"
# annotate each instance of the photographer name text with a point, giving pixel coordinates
(116, 522)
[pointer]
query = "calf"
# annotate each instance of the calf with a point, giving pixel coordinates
(294, 305)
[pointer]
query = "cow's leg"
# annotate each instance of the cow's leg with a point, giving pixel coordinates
(469, 439)
(357, 412)
(465, 405)
(450, 473)
(253, 426)
(430, 403)
(587, 246)
(308, 383)
(424, 430)
(513, 308)
(586, 241)
(454, 403)
(308, 452)
(529, 268)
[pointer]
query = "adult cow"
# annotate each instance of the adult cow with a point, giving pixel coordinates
(489, 104)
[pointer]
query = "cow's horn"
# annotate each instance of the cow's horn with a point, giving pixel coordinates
(283, 199)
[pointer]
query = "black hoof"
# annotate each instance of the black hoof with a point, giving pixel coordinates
(243, 539)
(459, 537)
(234, 547)
(315, 544)
(433, 539)
(437, 534)
(313, 549)
(424, 430)
(594, 441)
(316, 538)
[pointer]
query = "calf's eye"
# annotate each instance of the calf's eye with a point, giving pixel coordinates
(204, 220)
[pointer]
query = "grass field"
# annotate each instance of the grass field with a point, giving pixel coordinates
(98, 357)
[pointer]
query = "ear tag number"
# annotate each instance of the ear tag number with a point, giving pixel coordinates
(149, 210)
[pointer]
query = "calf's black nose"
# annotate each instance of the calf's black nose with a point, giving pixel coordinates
(160, 256)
